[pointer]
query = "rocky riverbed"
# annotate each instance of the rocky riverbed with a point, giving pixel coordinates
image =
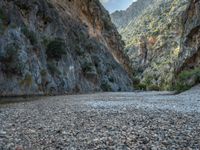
(139, 120)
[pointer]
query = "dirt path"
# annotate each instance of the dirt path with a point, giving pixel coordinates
(143, 120)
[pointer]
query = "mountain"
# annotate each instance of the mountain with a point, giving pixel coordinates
(161, 39)
(122, 18)
(57, 47)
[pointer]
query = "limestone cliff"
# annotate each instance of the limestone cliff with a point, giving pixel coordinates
(190, 46)
(59, 46)
(188, 64)
(155, 33)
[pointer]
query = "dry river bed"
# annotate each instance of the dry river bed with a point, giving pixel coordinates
(138, 120)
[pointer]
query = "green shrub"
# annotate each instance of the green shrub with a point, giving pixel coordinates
(181, 87)
(185, 75)
(3, 21)
(43, 72)
(30, 35)
(136, 81)
(155, 32)
(107, 24)
(148, 80)
(11, 64)
(2, 15)
(2, 28)
(146, 85)
(153, 88)
(55, 49)
(45, 41)
(141, 86)
(87, 67)
(106, 87)
(183, 80)
(53, 68)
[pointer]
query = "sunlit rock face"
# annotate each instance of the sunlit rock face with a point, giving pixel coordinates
(161, 39)
(59, 46)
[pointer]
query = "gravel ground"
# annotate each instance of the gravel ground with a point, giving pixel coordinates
(139, 120)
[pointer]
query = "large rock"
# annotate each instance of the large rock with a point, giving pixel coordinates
(57, 46)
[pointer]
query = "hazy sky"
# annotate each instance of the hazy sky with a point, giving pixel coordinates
(112, 5)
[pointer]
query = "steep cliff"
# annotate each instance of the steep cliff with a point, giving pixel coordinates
(190, 46)
(59, 46)
(154, 40)
(188, 64)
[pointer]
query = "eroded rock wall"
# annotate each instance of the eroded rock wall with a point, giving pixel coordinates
(189, 57)
(59, 46)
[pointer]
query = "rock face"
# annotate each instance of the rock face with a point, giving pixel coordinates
(162, 39)
(190, 48)
(59, 46)
(122, 18)
(188, 68)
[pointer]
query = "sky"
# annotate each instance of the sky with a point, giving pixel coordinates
(113, 5)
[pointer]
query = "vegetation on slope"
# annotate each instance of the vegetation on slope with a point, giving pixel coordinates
(153, 42)
(187, 79)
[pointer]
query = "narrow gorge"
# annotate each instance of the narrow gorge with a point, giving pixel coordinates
(162, 42)
(99, 74)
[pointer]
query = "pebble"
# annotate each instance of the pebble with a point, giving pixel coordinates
(87, 122)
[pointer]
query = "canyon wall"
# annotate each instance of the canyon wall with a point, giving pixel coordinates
(58, 47)
(162, 41)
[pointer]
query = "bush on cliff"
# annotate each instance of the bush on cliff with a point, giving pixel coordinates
(187, 78)
(11, 63)
(30, 35)
(55, 49)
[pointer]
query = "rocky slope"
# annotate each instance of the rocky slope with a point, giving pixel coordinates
(59, 46)
(162, 40)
